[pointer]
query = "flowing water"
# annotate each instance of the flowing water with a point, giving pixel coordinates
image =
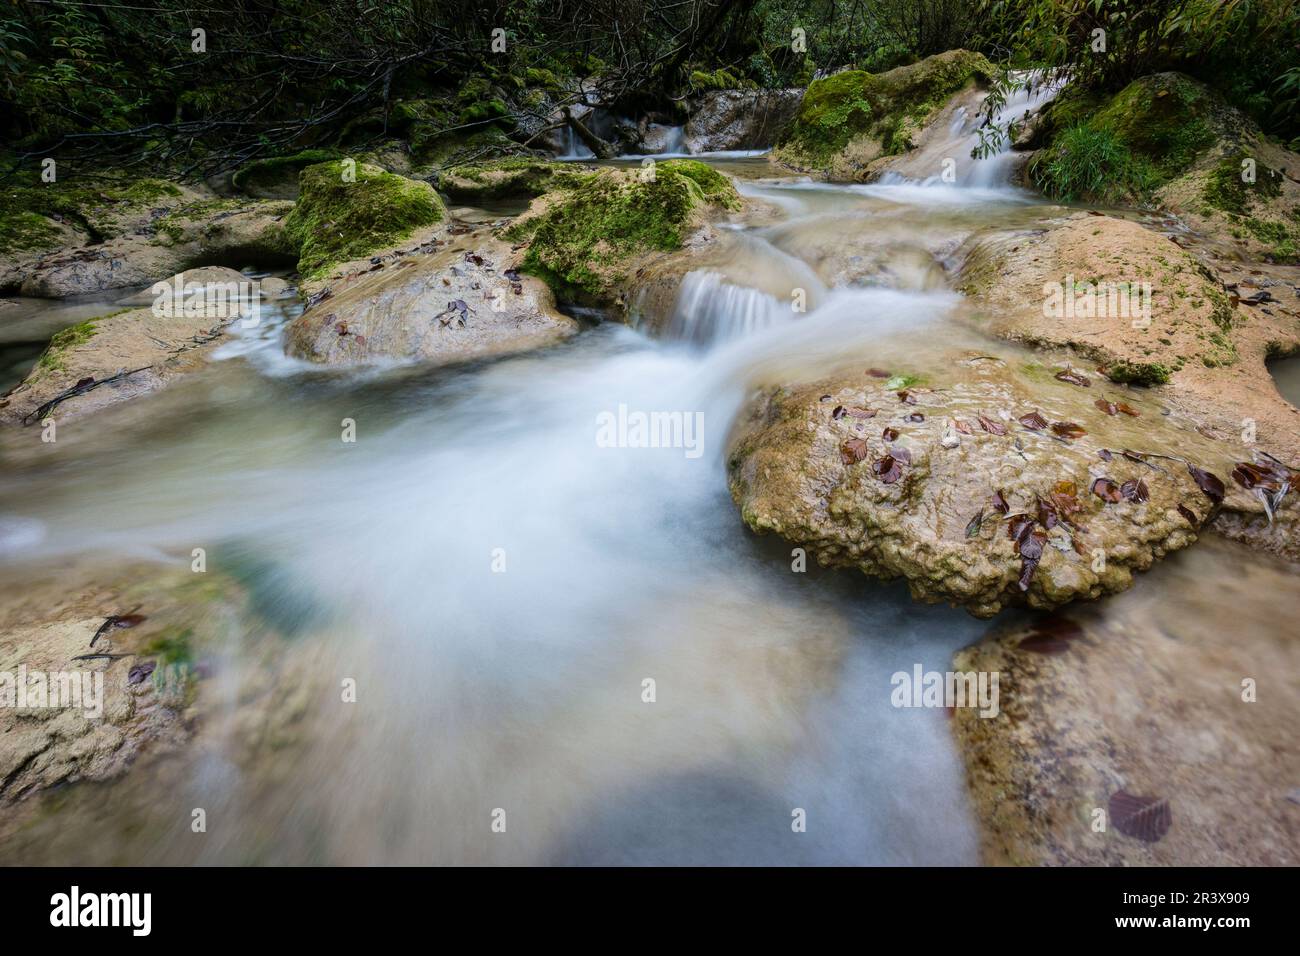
(500, 587)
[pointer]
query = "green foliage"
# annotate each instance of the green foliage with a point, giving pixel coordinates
(1085, 163)
(1245, 48)
(336, 220)
(1135, 142)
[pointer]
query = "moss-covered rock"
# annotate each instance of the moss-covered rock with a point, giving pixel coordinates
(346, 211)
(583, 239)
(852, 118)
(1167, 141)
(509, 178)
(1127, 147)
(277, 177)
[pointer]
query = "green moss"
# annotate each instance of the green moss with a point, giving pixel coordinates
(24, 231)
(52, 359)
(1138, 373)
(1149, 133)
(262, 173)
(96, 207)
(512, 177)
(719, 79)
(889, 107)
(536, 76)
(1226, 191)
(336, 220)
(581, 240)
(715, 187)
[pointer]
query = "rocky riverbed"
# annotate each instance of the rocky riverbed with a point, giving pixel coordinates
(1055, 416)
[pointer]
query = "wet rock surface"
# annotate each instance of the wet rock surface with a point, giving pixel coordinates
(1201, 348)
(991, 483)
(130, 352)
(1133, 716)
(449, 299)
(202, 233)
(740, 119)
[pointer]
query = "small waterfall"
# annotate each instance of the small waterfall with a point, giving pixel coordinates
(574, 148)
(948, 153)
(710, 309)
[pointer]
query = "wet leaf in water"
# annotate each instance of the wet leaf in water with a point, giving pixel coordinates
(1107, 490)
(1144, 818)
(973, 526)
(902, 454)
(906, 396)
(877, 373)
(889, 434)
(1068, 430)
(1073, 377)
(962, 425)
(887, 469)
(1000, 502)
(1051, 635)
(1127, 409)
(139, 672)
(837, 412)
(1105, 455)
(1135, 491)
(1033, 421)
(855, 411)
(1189, 514)
(916, 417)
(511, 275)
(1110, 408)
(88, 380)
(990, 425)
(853, 451)
(1208, 483)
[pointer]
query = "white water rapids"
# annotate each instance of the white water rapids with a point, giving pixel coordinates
(522, 689)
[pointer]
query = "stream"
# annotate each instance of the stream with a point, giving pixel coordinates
(500, 586)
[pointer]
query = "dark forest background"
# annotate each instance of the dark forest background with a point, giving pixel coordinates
(122, 79)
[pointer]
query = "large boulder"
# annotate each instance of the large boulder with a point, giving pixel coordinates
(740, 119)
(851, 123)
(448, 299)
(347, 210)
(276, 177)
(207, 232)
(1126, 735)
(1202, 346)
(993, 481)
(586, 239)
(133, 351)
(518, 177)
